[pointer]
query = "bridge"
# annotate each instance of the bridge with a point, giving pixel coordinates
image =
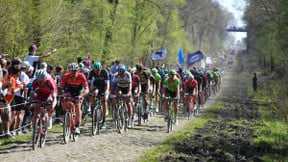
(235, 29)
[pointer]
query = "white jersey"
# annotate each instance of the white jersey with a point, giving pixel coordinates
(124, 81)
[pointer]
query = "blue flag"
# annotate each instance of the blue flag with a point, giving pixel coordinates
(194, 57)
(159, 55)
(181, 56)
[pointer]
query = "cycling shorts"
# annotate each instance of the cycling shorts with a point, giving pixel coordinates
(144, 88)
(190, 90)
(124, 90)
(170, 94)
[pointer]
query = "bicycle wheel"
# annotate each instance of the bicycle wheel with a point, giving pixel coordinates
(74, 135)
(44, 130)
(95, 121)
(139, 114)
(121, 119)
(67, 127)
(36, 133)
(84, 108)
(170, 121)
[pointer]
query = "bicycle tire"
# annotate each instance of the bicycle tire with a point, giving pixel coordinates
(66, 127)
(74, 135)
(139, 114)
(36, 133)
(44, 130)
(169, 122)
(121, 120)
(95, 121)
(99, 118)
(84, 108)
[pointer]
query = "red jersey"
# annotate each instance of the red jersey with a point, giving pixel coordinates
(71, 86)
(191, 83)
(44, 91)
(135, 81)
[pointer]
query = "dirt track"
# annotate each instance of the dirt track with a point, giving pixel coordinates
(112, 146)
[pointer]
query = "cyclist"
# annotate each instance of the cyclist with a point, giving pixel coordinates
(124, 84)
(136, 86)
(43, 89)
(152, 87)
(99, 81)
(73, 84)
(157, 88)
(145, 84)
(171, 89)
(190, 88)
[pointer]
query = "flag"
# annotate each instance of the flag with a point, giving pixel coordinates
(159, 55)
(181, 56)
(194, 57)
(87, 60)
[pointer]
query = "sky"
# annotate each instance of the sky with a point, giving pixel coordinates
(238, 14)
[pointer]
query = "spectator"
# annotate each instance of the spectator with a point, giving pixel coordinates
(32, 59)
(255, 84)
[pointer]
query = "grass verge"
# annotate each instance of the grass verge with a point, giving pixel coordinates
(189, 130)
(271, 133)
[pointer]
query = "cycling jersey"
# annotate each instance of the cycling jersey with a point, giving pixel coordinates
(44, 91)
(143, 77)
(75, 86)
(135, 81)
(190, 85)
(171, 86)
(152, 80)
(99, 81)
(204, 81)
(124, 81)
(157, 80)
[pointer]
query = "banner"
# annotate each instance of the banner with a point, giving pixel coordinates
(181, 56)
(159, 55)
(194, 57)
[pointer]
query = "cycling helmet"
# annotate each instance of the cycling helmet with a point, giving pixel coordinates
(139, 67)
(97, 66)
(81, 66)
(121, 69)
(73, 66)
(172, 72)
(190, 76)
(154, 71)
(41, 74)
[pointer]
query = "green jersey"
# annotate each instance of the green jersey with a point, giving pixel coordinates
(172, 87)
(157, 78)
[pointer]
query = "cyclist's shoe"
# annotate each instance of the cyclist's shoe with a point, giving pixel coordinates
(130, 121)
(166, 118)
(145, 116)
(49, 124)
(103, 125)
(77, 130)
(176, 122)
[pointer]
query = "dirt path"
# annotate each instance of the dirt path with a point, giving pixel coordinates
(110, 145)
(226, 137)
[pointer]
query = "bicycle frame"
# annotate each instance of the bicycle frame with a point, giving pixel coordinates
(41, 117)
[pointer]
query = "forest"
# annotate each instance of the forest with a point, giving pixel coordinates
(128, 30)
